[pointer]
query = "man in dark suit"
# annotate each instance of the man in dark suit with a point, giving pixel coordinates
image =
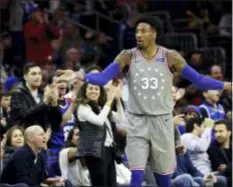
(27, 165)
(220, 151)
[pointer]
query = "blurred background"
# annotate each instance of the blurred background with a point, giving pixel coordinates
(87, 32)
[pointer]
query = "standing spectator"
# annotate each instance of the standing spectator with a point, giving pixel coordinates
(38, 35)
(5, 51)
(97, 133)
(3, 73)
(59, 135)
(17, 13)
(30, 171)
(59, 17)
(28, 99)
(126, 33)
(220, 151)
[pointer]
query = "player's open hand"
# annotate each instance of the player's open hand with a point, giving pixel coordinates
(69, 75)
(228, 86)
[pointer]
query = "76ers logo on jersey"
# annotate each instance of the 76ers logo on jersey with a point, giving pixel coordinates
(152, 83)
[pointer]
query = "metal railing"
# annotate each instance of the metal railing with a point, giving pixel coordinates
(84, 27)
(98, 16)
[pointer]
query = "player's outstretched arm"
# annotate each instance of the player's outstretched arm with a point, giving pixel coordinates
(178, 66)
(112, 71)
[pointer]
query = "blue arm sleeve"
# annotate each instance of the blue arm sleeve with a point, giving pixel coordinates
(102, 78)
(201, 81)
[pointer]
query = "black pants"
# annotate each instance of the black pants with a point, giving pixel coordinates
(102, 171)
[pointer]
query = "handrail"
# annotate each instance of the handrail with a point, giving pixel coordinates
(86, 28)
(98, 16)
(106, 17)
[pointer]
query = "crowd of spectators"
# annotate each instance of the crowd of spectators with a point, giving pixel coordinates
(41, 116)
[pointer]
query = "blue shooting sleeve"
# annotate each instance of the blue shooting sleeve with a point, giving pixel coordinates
(201, 81)
(102, 78)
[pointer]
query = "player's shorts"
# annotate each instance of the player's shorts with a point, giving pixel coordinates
(151, 138)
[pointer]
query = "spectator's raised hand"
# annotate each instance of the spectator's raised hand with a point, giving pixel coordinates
(178, 120)
(179, 94)
(119, 89)
(3, 122)
(54, 94)
(51, 95)
(111, 94)
(47, 91)
(208, 123)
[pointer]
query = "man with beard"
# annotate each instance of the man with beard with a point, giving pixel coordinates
(220, 150)
(30, 104)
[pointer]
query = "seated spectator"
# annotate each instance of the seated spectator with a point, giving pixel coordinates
(38, 35)
(191, 111)
(94, 118)
(220, 151)
(5, 120)
(14, 140)
(27, 165)
(72, 60)
(72, 168)
(11, 83)
(210, 107)
(197, 144)
(29, 99)
(216, 72)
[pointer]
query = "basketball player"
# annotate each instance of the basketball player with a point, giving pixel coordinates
(149, 70)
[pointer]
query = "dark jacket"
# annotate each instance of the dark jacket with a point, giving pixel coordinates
(92, 138)
(25, 110)
(185, 165)
(218, 156)
(5, 115)
(8, 152)
(22, 168)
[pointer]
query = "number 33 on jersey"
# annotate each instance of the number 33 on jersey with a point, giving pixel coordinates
(150, 84)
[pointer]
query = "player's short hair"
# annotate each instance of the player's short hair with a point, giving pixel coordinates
(153, 21)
